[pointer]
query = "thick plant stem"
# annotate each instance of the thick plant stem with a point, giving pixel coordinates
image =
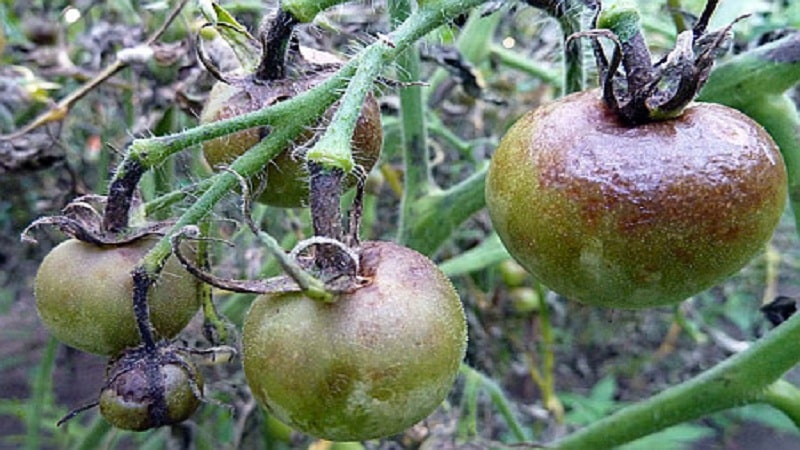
(574, 71)
(740, 380)
(433, 217)
(416, 154)
(334, 149)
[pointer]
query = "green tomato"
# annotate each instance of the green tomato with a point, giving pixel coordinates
(370, 364)
(84, 296)
(634, 216)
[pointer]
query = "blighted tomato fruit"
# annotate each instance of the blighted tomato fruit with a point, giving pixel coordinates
(634, 216)
(368, 365)
(131, 400)
(84, 295)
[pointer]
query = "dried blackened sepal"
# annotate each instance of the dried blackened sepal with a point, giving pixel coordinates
(271, 285)
(82, 220)
(648, 91)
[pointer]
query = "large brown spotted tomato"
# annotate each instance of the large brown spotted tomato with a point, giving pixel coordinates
(634, 216)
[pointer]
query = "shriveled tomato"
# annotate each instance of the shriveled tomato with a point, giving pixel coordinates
(629, 216)
(84, 295)
(370, 364)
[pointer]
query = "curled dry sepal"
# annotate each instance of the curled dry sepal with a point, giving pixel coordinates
(647, 91)
(342, 282)
(82, 219)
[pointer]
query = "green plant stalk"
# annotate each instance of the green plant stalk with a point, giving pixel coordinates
(514, 60)
(574, 73)
(498, 398)
(312, 286)
(785, 397)
(488, 253)
(548, 386)
(93, 438)
(334, 149)
(306, 10)
(675, 11)
(742, 379)
(416, 154)
(215, 328)
(431, 219)
(468, 419)
(41, 388)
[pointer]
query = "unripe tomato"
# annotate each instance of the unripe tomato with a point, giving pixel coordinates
(84, 295)
(370, 364)
(286, 177)
(634, 216)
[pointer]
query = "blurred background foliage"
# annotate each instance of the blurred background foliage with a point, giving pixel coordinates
(596, 360)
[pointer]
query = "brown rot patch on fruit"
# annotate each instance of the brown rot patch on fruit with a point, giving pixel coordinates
(628, 216)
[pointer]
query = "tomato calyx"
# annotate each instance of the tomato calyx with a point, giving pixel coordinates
(646, 91)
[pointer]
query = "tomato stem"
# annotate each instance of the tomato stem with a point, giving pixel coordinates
(141, 309)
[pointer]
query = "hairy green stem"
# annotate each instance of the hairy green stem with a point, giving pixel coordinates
(740, 380)
(334, 149)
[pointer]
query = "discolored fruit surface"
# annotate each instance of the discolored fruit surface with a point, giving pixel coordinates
(286, 178)
(84, 296)
(372, 363)
(633, 217)
(128, 401)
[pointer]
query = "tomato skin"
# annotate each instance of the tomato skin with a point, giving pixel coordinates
(84, 296)
(372, 363)
(286, 177)
(632, 217)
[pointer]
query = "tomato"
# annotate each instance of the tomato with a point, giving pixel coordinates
(285, 178)
(84, 296)
(370, 364)
(634, 216)
(129, 402)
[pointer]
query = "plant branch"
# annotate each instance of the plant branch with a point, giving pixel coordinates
(740, 380)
